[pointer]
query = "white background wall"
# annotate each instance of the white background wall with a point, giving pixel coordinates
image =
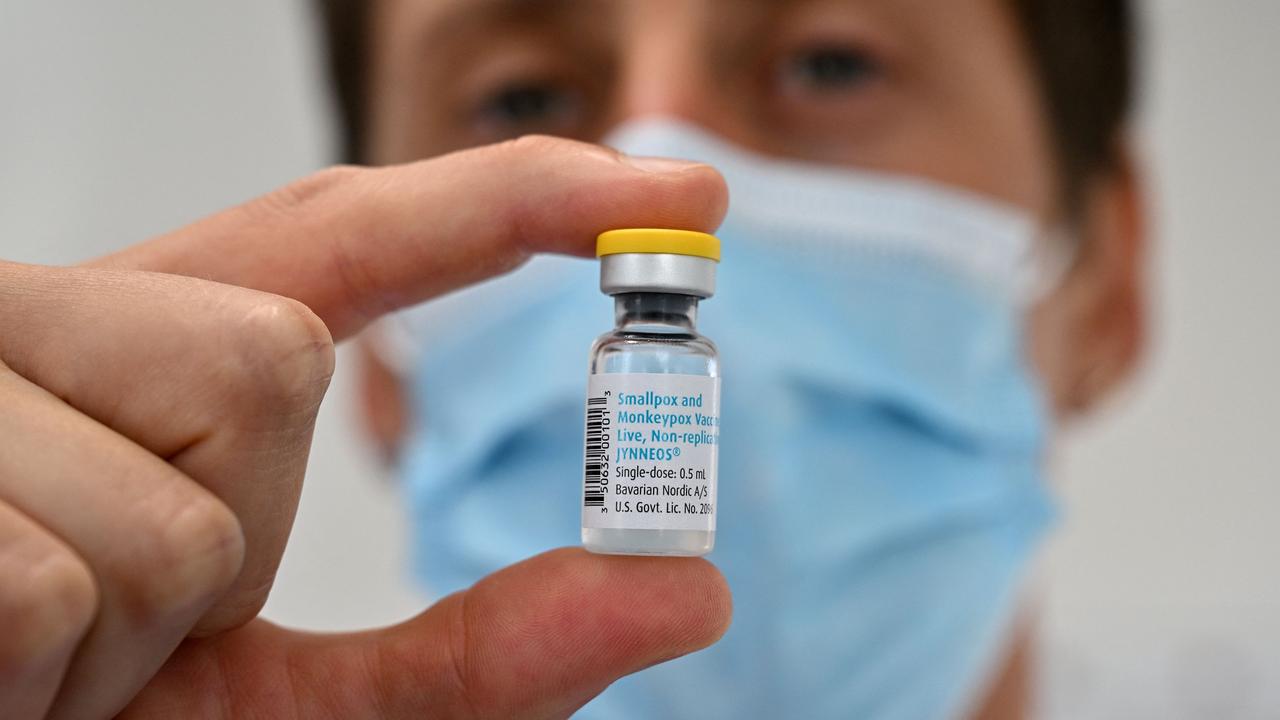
(1161, 593)
(1163, 588)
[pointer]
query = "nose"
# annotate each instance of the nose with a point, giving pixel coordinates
(665, 68)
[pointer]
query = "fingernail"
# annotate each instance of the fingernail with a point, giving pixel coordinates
(657, 164)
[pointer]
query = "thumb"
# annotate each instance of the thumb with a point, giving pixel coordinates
(536, 640)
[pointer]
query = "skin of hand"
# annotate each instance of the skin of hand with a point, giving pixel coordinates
(158, 411)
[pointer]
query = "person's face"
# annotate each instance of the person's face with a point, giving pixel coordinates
(941, 90)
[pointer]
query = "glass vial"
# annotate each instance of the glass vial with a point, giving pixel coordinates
(653, 399)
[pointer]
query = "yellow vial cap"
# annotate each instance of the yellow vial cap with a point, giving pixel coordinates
(658, 240)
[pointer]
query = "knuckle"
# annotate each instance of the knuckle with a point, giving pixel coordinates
(537, 146)
(286, 354)
(458, 637)
(301, 194)
(189, 558)
(46, 605)
(461, 680)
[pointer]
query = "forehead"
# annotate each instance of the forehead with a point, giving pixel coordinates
(442, 21)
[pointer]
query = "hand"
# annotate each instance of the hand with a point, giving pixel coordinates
(157, 414)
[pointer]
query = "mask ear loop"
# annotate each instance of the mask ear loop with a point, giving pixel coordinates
(393, 341)
(1049, 259)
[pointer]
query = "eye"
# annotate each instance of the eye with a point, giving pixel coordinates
(827, 69)
(530, 106)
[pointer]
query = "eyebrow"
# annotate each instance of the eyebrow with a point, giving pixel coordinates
(465, 17)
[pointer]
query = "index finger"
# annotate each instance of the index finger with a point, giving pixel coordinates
(355, 243)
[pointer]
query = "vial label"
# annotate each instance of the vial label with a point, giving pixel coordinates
(652, 442)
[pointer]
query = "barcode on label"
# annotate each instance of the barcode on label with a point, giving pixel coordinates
(596, 458)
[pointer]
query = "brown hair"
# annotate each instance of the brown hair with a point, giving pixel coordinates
(347, 32)
(1081, 52)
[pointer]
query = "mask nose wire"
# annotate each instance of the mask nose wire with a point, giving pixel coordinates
(1033, 265)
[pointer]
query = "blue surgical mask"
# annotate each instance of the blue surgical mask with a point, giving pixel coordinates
(880, 464)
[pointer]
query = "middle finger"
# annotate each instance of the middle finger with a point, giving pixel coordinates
(222, 381)
(161, 548)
